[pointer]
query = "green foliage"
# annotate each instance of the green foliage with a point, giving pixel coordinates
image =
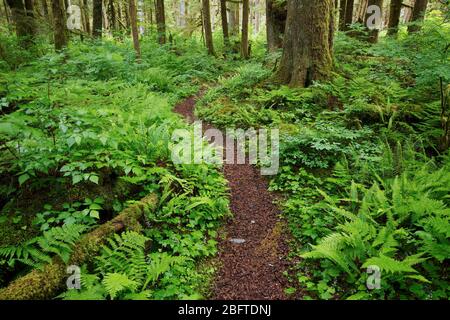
(56, 241)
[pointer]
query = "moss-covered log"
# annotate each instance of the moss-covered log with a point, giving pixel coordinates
(50, 281)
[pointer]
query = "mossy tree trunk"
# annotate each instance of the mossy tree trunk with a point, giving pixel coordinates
(23, 20)
(395, 9)
(206, 12)
(161, 21)
(418, 14)
(307, 54)
(61, 36)
(275, 24)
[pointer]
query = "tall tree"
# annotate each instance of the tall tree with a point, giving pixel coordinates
(61, 36)
(234, 18)
(134, 28)
(161, 21)
(418, 14)
(97, 18)
(206, 12)
(223, 14)
(395, 9)
(23, 21)
(85, 12)
(275, 24)
(307, 54)
(371, 17)
(348, 18)
(245, 49)
(342, 8)
(112, 15)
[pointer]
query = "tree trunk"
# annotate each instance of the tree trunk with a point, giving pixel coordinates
(348, 18)
(275, 24)
(112, 15)
(87, 25)
(134, 29)
(395, 9)
(207, 26)
(418, 14)
(24, 27)
(245, 52)
(59, 25)
(6, 12)
(97, 18)
(223, 13)
(45, 10)
(127, 17)
(307, 55)
(161, 21)
(342, 8)
(361, 11)
(373, 33)
(234, 18)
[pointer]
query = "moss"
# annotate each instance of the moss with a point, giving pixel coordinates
(49, 282)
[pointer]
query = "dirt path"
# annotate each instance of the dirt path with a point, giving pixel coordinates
(252, 269)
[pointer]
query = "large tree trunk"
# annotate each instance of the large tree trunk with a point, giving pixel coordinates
(23, 20)
(59, 25)
(97, 18)
(275, 24)
(207, 26)
(307, 54)
(373, 33)
(134, 28)
(245, 52)
(161, 21)
(418, 14)
(395, 9)
(223, 14)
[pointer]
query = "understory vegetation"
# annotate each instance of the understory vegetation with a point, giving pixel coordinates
(84, 139)
(90, 190)
(363, 171)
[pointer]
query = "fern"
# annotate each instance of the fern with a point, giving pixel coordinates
(57, 241)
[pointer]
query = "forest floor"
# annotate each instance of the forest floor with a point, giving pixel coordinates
(253, 248)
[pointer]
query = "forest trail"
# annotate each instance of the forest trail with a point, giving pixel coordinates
(250, 270)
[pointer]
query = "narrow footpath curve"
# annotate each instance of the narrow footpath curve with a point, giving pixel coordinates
(252, 269)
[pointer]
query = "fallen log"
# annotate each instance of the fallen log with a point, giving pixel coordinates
(50, 281)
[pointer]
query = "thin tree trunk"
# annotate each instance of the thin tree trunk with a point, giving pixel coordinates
(8, 19)
(134, 28)
(87, 24)
(59, 25)
(112, 15)
(207, 26)
(418, 14)
(307, 54)
(342, 8)
(24, 29)
(245, 52)
(373, 33)
(45, 10)
(223, 13)
(395, 9)
(348, 19)
(161, 22)
(97, 18)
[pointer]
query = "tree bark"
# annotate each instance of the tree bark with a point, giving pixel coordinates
(245, 52)
(97, 18)
(275, 24)
(207, 26)
(223, 13)
(395, 9)
(23, 20)
(161, 21)
(112, 15)
(87, 25)
(348, 18)
(59, 25)
(6, 12)
(418, 14)
(307, 54)
(134, 29)
(234, 18)
(342, 8)
(374, 33)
